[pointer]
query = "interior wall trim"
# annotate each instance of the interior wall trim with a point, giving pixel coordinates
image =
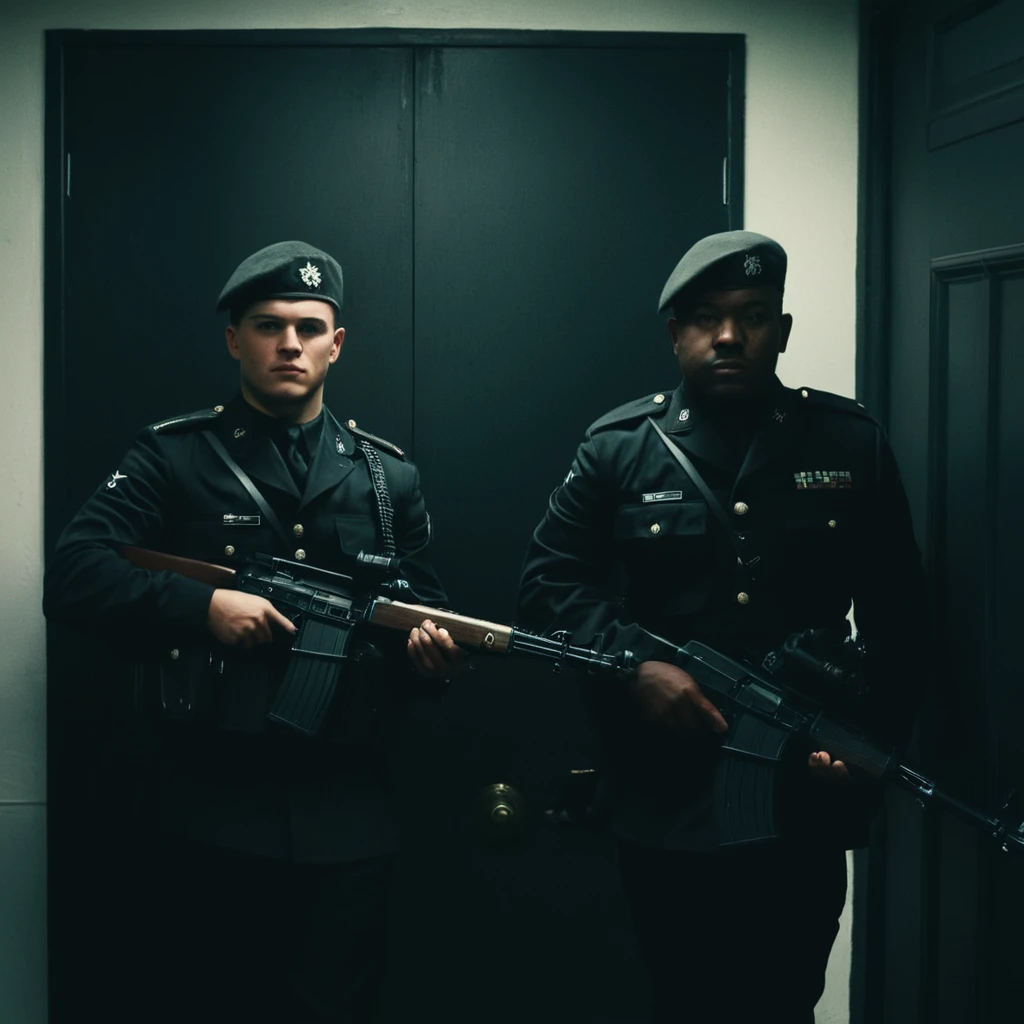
(877, 25)
(974, 88)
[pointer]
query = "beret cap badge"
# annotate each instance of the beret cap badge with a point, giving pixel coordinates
(310, 275)
(284, 270)
(729, 260)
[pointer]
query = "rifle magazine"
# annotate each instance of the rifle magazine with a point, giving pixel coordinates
(744, 801)
(307, 690)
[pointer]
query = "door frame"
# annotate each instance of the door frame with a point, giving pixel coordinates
(879, 24)
(58, 181)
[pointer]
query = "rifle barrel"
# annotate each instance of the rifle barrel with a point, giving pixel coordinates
(1010, 837)
(561, 650)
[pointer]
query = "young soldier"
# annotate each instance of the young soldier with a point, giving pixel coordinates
(269, 882)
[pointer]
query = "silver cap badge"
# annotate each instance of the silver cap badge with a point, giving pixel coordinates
(752, 266)
(310, 275)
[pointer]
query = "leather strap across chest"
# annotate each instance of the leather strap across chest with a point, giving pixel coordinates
(385, 510)
(712, 502)
(250, 487)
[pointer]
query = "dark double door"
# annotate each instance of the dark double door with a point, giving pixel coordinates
(948, 903)
(506, 209)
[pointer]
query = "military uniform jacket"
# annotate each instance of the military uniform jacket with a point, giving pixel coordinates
(226, 780)
(630, 550)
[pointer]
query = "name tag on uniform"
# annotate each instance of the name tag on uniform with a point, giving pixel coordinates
(663, 496)
(232, 520)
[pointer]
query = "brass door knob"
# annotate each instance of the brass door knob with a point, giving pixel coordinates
(502, 811)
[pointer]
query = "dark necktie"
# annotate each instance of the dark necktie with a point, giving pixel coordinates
(295, 456)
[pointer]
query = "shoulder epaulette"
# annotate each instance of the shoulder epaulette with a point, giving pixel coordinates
(838, 403)
(377, 442)
(637, 409)
(188, 421)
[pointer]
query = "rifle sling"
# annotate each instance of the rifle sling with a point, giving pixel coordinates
(246, 482)
(712, 502)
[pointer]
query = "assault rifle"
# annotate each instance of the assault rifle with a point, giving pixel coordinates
(766, 718)
(785, 707)
(329, 608)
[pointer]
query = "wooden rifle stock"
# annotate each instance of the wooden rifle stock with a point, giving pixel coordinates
(332, 606)
(476, 633)
(191, 568)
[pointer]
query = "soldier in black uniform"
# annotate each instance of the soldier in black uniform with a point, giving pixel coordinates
(267, 888)
(811, 517)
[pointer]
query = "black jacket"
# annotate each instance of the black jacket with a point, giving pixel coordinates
(225, 780)
(629, 549)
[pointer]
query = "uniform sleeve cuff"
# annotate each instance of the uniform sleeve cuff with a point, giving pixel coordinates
(191, 602)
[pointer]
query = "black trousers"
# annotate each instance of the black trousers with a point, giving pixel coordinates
(735, 936)
(223, 937)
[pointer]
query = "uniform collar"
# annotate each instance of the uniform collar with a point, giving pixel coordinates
(331, 462)
(781, 427)
(702, 437)
(247, 434)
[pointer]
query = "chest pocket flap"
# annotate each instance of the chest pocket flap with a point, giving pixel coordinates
(827, 513)
(357, 532)
(211, 538)
(660, 520)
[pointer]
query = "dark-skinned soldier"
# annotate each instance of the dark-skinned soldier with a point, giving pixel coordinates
(814, 518)
(267, 893)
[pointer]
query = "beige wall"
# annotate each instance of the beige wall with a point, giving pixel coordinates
(801, 187)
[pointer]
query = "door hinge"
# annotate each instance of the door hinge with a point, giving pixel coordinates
(67, 178)
(725, 181)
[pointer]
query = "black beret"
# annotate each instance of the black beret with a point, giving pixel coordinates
(284, 270)
(726, 261)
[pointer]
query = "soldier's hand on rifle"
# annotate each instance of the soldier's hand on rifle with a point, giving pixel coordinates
(671, 698)
(433, 652)
(824, 768)
(244, 620)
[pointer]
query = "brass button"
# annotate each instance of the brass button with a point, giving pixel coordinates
(831, 524)
(741, 508)
(743, 598)
(300, 555)
(229, 550)
(658, 399)
(655, 528)
(803, 393)
(298, 530)
(174, 654)
(218, 408)
(351, 423)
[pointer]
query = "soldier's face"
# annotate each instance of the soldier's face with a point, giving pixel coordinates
(284, 347)
(728, 342)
